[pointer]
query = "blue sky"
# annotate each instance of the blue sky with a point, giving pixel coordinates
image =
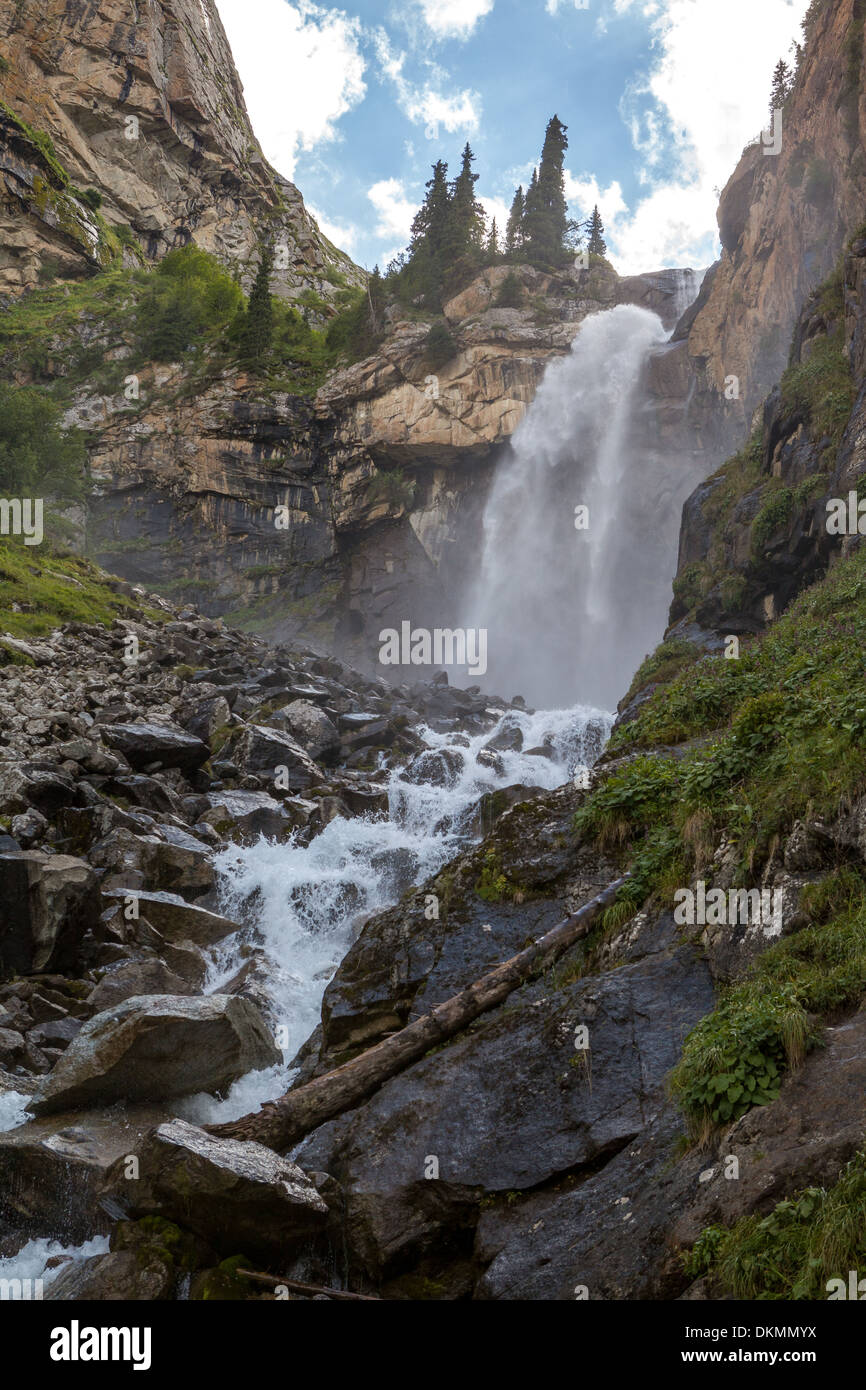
(355, 102)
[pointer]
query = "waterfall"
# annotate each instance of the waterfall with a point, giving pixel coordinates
(580, 528)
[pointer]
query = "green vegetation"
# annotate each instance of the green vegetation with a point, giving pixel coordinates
(186, 302)
(39, 591)
(773, 737)
(257, 329)
(807, 1240)
(37, 456)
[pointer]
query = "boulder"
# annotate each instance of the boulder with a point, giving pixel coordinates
(260, 749)
(119, 1275)
(244, 816)
(145, 744)
(23, 785)
(129, 978)
(310, 726)
(153, 1047)
(52, 1168)
(555, 1108)
(47, 902)
(176, 920)
(236, 1196)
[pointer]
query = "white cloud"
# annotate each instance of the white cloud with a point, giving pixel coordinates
(424, 103)
(583, 194)
(703, 99)
(453, 19)
(552, 6)
(302, 70)
(343, 236)
(395, 209)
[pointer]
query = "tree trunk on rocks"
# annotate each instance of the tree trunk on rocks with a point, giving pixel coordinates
(281, 1123)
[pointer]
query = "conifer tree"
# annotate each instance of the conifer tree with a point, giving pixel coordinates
(782, 82)
(493, 242)
(596, 244)
(548, 219)
(531, 214)
(465, 237)
(514, 227)
(258, 326)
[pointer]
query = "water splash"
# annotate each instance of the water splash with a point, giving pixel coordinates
(573, 609)
(303, 905)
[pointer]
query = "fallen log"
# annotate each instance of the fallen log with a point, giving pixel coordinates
(310, 1290)
(281, 1123)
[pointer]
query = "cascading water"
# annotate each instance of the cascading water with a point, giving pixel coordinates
(580, 526)
(569, 614)
(304, 903)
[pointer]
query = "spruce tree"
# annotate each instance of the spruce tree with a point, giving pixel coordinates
(531, 217)
(596, 244)
(782, 82)
(258, 326)
(465, 236)
(514, 227)
(428, 246)
(548, 227)
(493, 243)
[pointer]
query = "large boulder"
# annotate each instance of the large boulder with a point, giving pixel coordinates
(557, 1105)
(146, 744)
(47, 902)
(153, 1047)
(23, 785)
(176, 920)
(245, 815)
(260, 749)
(52, 1169)
(236, 1196)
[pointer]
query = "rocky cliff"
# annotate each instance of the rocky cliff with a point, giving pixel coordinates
(141, 106)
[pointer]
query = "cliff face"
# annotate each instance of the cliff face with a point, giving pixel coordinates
(382, 476)
(142, 103)
(783, 221)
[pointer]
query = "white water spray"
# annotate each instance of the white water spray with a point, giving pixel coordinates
(572, 600)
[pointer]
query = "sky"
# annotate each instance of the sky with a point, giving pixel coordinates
(354, 103)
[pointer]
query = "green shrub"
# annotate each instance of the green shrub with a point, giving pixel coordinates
(187, 299)
(37, 456)
(440, 345)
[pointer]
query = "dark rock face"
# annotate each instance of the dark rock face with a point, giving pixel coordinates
(146, 744)
(512, 1104)
(47, 903)
(236, 1196)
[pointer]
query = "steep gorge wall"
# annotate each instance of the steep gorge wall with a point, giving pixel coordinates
(141, 102)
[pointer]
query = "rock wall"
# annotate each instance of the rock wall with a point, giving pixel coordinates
(142, 103)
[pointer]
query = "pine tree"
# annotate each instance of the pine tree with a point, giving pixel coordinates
(514, 227)
(465, 236)
(493, 243)
(258, 326)
(783, 80)
(548, 225)
(596, 244)
(531, 217)
(430, 223)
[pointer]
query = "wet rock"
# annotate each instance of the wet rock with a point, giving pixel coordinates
(310, 726)
(244, 816)
(154, 1047)
(559, 1108)
(47, 903)
(119, 1275)
(176, 920)
(25, 785)
(130, 978)
(236, 1196)
(52, 1169)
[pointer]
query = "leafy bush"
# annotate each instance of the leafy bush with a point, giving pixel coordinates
(510, 294)
(37, 456)
(187, 299)
(808, 1239)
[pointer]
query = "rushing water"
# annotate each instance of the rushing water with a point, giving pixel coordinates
(304, 904)
(569, 612)
(580, 528)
